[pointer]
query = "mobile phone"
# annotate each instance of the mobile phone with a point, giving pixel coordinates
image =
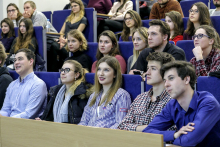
(137, 72)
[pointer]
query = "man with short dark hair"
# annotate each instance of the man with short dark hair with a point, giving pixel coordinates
(158, 41)
(26, 96)
(159, 9)
(215, 12)
(148, 104)
(195, 113)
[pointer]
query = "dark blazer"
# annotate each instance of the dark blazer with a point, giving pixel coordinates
(75, 107)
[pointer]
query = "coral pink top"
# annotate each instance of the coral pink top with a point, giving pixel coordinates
(177, 38)
(121, 61)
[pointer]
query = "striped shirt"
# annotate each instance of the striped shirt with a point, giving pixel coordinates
(109, 116)
(143, 110)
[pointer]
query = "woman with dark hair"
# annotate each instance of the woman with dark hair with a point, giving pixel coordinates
(108, 45)
(8, 33)
(198, 15)
(117, 13)
(25, 38)
(109, 103)
(206, 51)
(132, 21)
(175, 21)
(67, 100)
(14, 14)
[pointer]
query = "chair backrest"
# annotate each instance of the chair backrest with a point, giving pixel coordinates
(145, 23)
(91, 51)
(147, 87)
(216, 23)
(126, 49)
(48, 14)
(185, 20)
(187, 46)
(135, 5)
(210, 84)
(59, 17)
(212, 6)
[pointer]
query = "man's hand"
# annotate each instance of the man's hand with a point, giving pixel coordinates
(184, 130)
(26, 14)
(197, 51)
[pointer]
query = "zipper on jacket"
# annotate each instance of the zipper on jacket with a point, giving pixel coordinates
(72, 113)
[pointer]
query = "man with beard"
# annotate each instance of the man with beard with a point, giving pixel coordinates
(163, 6)
(158, 41)
(215, 12)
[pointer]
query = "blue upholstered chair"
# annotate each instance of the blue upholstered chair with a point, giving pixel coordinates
(187, 46)
(126, 49)
(216, 23)
(47, 14)
(91, 50)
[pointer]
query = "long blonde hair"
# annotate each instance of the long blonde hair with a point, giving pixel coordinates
(81, 12)
(144, 36)
(117, 81)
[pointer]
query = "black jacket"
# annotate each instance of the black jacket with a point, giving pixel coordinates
(175, 51)
(5, 80)
(75, 107)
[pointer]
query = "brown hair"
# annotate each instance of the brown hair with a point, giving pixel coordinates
(177, 20)
(204, 18)
(9, 22)
(19, 15)
(183, 69)
(3, 55)
(24, 40)
(115, 49)
(80, 37)
(28, 53)
(161, 57)
(137, 23)
(164, 27)
(33, 5)
(117, 81)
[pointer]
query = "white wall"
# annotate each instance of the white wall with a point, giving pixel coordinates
(42, 5)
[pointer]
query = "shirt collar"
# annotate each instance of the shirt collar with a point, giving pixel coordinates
(161, 96)
(29, 76)
(166, 47)
(33, 15)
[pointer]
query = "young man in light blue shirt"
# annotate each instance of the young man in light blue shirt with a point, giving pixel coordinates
(26, 96)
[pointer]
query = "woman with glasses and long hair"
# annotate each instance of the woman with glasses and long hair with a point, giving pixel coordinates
(175, 21)
(14, 14)
(132, 21)
(206, 51)
(198, 15)
(67, 100)
(109, 103)
(117, 13)
(8, 33)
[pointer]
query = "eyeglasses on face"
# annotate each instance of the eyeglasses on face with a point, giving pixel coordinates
(12, 10)
(66, 70)
(129, 18)
(194, 11)
(199, 36)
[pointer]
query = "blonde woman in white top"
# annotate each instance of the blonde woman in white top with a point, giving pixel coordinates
(117, 12)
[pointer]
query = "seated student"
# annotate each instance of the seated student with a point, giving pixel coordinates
(158, 41)
(195, 113)
(145, 8)
(148, 104)
(8, 33)
(206, 51)
(26, 96)
(5, 78)
(198, 15)
(25, 39)
(14, 14)
(108, 105)
(101, 6)
(139, 38)
(132, 21)
(108, 45)
(77, 44)
(117, 13)
(67, 100)
(68, 6)
(215, 12)
(175, 21)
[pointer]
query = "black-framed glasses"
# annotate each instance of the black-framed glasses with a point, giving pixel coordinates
(199, 36)
(129, 18)
(12, 10)
(66, 70)
(194, 11)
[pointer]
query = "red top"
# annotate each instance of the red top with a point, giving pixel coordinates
(120, 60)
(177, 38)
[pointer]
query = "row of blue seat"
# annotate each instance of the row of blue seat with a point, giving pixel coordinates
(131, 83)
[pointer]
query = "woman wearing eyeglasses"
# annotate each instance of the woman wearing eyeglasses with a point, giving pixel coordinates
(67, 100)
(198, 15)
(108, 105)
(206, 51)
(132, 21)
(14, 14)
